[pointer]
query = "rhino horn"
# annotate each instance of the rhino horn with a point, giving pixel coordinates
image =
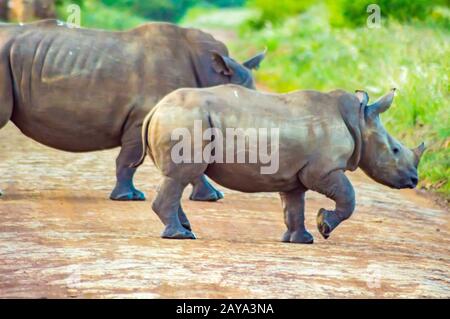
(382, 104)
(418, 151)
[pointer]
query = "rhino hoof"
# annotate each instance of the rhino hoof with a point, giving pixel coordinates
(286, 237)
(322, 224)
(177, 233)
(302, 237)
(219, 194)
(212, 196)
(298, 237)
(133, 195)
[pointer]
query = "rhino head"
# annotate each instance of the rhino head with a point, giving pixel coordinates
(384, 158)
(227, 70)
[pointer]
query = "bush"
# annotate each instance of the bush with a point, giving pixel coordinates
(166, 10)
(211, 18)
(160, 10)
(275, 11)
(106, 13)
(352, 13)
(355, 11)
(440, 16)
(94, 14)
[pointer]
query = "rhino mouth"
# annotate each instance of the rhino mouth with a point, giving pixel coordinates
(402, 184)
(410, 183)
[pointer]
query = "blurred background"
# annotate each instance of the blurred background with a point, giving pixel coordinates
(321, 44)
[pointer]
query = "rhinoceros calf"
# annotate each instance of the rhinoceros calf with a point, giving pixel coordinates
(83, 90)
(320, 136)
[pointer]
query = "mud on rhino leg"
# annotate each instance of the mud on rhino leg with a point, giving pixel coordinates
(124, 189)
(168, 208)
(294, 217)
(202, 190)
(337, 187)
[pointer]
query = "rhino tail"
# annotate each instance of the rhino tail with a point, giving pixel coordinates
(144, 138)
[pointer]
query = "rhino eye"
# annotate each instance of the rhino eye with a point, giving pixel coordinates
(395, 150)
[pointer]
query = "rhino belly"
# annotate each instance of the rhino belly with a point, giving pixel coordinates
(248, 178)
(71, 134)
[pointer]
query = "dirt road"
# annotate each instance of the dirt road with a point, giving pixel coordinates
(61, 237)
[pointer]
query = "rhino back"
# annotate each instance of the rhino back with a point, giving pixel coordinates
(180, 57)
(306, 118)
(312, 136)
(77, 89)
(72, 83)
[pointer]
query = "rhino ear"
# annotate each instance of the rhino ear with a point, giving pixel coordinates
(221, 64)
(253, 63)
(363, 97)
(382, 104)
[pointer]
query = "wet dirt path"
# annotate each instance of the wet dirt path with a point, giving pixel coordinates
(60, 236)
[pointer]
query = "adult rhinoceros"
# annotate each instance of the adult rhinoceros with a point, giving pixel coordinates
(321, 135)
(83, 90)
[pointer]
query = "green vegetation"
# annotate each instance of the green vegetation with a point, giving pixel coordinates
(167, 10)
(398, 10)
(211, 18)
(125, 14)
(95, 14)
(310, 51)
(351, 13)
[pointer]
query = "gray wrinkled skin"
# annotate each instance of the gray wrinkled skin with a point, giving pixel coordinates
(84, 90)
(321, 136)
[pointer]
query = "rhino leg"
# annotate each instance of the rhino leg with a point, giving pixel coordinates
(129, 153)
(168, 208)
(202, 190)
(294, 217)
(6, 93)
(183, 219)
(337, 187)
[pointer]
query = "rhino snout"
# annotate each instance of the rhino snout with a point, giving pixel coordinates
(409, 180)
(414, 180)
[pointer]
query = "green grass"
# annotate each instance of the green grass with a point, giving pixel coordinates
(212, 18)
(94, 14)
(305, 52)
